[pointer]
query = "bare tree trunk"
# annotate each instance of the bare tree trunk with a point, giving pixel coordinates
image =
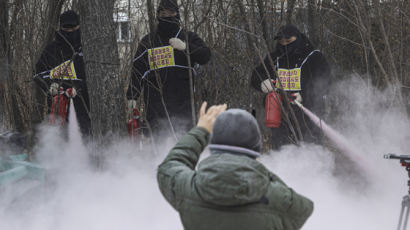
(190, 75)
(107, 106)
(289, 12)
(393, 70)
(14, 116)
(312, 27)
(4, 68)
(246, 22)
(261, 8)
(204, 16)
(3, 37)
(53, 14)
(151, 15)
(75, 5)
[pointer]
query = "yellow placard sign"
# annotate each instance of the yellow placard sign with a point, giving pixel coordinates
(161, 57)
(289, 79)
(64, 71)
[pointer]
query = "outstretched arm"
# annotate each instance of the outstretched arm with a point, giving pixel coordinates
(42, 68)
(175, 173)
(318, 87)
(199, 52)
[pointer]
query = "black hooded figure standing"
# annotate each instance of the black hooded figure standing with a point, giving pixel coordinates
(161, 71)
(61, 65)
(305, 77)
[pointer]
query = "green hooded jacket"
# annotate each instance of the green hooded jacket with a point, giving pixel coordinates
(228, 191)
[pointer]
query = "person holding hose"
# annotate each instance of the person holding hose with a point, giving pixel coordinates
(300, 72)
(61, 68)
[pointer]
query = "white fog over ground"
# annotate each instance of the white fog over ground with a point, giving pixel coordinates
(125, 195)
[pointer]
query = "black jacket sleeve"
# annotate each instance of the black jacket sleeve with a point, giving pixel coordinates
(140, 66)
(318, 85)
(199, 52)
(43, 66)
(259, 73)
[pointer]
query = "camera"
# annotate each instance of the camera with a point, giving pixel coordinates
(405, 204)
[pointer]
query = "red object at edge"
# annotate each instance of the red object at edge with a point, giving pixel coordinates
(273, 110)
(133, 124)
(59, 108)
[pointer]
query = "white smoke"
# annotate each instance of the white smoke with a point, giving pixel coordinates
(345, 199)
(77, 196)
(125, 195)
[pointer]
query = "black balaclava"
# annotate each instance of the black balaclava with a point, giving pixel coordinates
(287, 32)
(237, 128)
(74, 38)
(70, 19)
(168, 26)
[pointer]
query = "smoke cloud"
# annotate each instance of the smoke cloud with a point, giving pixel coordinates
(125, 194)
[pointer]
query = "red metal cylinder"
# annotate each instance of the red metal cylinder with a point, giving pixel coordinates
(59, 108)
(273, 110)
(133, 124)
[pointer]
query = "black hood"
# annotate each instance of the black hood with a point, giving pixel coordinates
(168, 27)
(300, 46)
(170, 5)
(69, 19)
(66, 38)
(287, 32)
(297, 46)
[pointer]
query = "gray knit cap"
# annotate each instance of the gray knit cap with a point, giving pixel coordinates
(237, 128)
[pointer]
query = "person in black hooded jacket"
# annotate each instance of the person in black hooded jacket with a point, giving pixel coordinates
(61, 65)
(305, 77)
(161, 70)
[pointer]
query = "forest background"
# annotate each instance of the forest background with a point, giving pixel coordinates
(363, 39)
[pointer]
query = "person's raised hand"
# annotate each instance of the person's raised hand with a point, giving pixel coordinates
(207, 117)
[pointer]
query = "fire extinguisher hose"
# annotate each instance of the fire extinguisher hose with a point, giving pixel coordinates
(339, 140)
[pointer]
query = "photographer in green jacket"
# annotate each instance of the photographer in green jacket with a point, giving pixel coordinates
(230, 189)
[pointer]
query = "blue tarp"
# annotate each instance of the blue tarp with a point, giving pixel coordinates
(14, 168)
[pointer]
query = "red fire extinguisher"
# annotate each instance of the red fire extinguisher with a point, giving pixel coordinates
(59, 108)
(133, 124)
(273, 110)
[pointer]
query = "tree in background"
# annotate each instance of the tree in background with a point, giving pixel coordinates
(102, 63)
(367, 38)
